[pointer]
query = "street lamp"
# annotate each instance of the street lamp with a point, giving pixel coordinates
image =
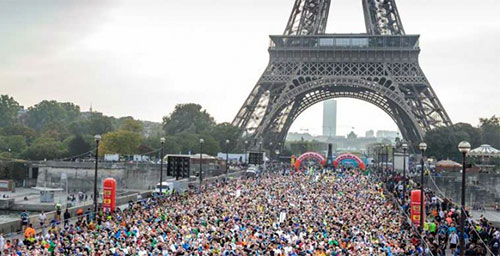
(404, 146)
(422, 146)
(201, 154)
(464, 147)
(260, 146)
(385, 158)
(246, 145)
(227, 156)
(270, 151)
(162, 141)
(97, 138)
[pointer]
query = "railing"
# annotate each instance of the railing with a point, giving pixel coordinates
(340, 41)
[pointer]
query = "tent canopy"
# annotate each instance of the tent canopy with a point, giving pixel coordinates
(447, 163)
(485, 150)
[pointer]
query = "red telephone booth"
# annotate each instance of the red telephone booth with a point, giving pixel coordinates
(416, 203)
(109, 195)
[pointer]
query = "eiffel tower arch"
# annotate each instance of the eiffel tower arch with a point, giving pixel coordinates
(307, 66)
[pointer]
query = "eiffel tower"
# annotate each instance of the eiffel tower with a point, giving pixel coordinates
(308, 66)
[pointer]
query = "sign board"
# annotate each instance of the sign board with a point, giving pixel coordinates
(398, 161)
(256, 158)
(111, 157)
(178, 166)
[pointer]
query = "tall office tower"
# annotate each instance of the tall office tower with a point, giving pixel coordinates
(330, 118)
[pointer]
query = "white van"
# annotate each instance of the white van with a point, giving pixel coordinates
(178, 185)
(166, 186)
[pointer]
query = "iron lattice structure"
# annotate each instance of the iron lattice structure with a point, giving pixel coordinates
(308, 66)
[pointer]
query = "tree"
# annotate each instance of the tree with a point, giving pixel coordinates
(210, 144)
(187, 118)
(77, 145)
(490, 131)
(226, 131)
(44, 148)
(55, 130)
(144, 149)
(14, 143)
(121, 141)
(47, 112)
(187, 142)
(19, 129)
(443, 141)
(474, 133)
(9, 109)
(99, 124)
(129, 124)
(299, 147)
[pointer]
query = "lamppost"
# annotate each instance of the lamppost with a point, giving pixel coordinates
(393, 152)
(464, 147)
(404, 146)
(423, 147)
(270, 151)
(227, 156)
(385, 158)
(162, 141)
(201, 158)
(260, 146)
(246, 145)
(97, 138)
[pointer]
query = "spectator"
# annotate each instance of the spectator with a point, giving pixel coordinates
(24, 219)
(67, 216)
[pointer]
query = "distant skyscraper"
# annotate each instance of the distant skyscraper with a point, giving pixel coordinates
(330, 118)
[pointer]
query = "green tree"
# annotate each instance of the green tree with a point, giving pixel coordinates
(474, 133)
(44, 148)
(225, 131)
(100, 124)
(490, 131)
(443, 141)
(188, 118)
(145, 149)
(55, 130)
(77, 145)
(129, 124)
(299, 147)
(210, 144)
(14, 143)
(187, 142)
(47, 112)
(121, 141)
(9, 109)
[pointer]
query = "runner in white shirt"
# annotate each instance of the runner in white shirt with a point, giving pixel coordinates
(42, 217)
(453, 241)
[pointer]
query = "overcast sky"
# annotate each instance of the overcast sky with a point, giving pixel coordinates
(141, 58)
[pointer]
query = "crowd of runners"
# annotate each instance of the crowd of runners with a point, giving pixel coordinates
(442, 222)
(322, 212)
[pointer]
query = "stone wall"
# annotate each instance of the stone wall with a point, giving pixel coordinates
(80, 176)
(481, 188)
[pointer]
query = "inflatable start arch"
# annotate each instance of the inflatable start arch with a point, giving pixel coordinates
(353, 157)
(309, 155)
